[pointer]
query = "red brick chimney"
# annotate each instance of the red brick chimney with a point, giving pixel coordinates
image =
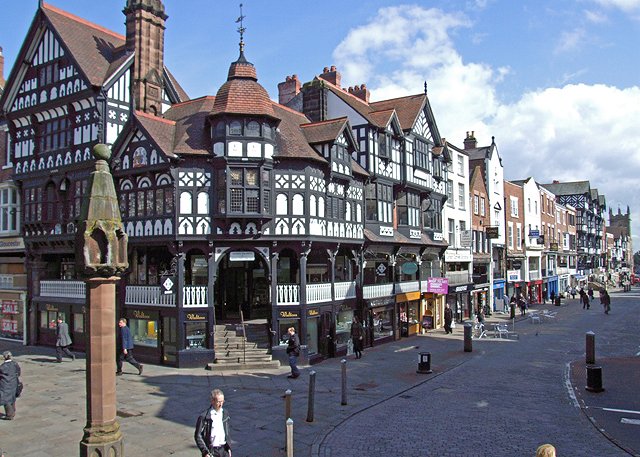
(470, 141)
(145, 37)
(331, 75)
(288, 89)
(361, 92)
(2, 81)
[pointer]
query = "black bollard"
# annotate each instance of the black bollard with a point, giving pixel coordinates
(468, 331)
(424, 363)
(312, 395)
(512, 308)
(590, 348)
(343, 400)
(594, 379)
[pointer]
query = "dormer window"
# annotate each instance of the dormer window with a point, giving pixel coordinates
(267, 131)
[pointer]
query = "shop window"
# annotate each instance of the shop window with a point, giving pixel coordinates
(48, 319)
(196, 333)
(144, 332)
(382, 323)
(283, 329)
(343, 326)
(312, 336)
(78, 322)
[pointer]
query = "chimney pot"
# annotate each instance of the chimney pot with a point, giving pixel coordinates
(288, 89)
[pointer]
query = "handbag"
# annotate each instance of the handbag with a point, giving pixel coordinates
(19, 389)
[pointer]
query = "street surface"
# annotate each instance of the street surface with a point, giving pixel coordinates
(503, 399)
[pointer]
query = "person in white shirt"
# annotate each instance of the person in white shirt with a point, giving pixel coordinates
(212, 428)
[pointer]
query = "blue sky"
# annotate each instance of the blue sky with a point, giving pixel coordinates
(557, 82)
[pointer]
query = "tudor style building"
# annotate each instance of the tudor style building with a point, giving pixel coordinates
(237, 208)
(69, 90)
(401, 149)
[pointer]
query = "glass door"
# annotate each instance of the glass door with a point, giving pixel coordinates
(169, 340)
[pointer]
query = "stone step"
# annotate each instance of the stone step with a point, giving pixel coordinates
(230, 366)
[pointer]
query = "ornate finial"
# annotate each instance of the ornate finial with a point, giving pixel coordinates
(241, 29)
(425, 88)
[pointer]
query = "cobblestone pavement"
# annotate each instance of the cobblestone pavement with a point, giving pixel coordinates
(503, 399)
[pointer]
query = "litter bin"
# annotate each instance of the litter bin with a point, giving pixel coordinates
(424, 363)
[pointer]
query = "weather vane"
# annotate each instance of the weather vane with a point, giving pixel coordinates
(241, 29)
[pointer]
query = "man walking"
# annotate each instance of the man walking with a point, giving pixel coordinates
(448, 318)
(212, 428)
(125, 343)
(63, 340)
(9, 378)
(293, 351)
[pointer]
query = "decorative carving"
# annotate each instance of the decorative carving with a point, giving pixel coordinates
(101, 242)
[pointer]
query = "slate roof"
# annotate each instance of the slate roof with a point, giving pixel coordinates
(569, 188)
(162, 131)
(324, 131)
(191, 133)
(98, 51)
(407, 108)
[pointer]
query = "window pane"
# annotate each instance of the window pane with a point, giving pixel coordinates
(252, 177)
(236, 200)
(235, 174)
(253, 201)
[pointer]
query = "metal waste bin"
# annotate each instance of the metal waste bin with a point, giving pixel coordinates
(424, 363)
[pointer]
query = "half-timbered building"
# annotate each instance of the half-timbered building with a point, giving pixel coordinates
(69, 90)
(399, 145)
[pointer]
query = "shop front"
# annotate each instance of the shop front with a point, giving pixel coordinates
(12, 317)
(74, 314)
(409, 313)
(563, 284)
(552, 286)
(145, 330)
(515, 284)
(498, 294)
(434, 299)
(197, 348)
(459, 299)
(534, 291)
(381, 321)
(479, 297)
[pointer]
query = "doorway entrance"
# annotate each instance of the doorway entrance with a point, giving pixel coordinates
(242, 284)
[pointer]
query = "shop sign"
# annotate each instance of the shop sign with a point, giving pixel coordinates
(50, 307)
(454, 255)
(289, 314)
(513, 275)
(381, 269)
(9, 326)
(553, 246)
(516, 264)
(196, 316)
(242, 256)
(11, 244)
(427, 322)
(466, 237)
(492, 232)
(461, 289)
(438, 285)
(146, 315)
(409, 268)
(438, 236)
(377, 302)
(168, 284)
(9, 307)
(313, 312)
(534, 233)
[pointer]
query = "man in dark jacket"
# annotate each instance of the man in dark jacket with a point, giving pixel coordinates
(63, 341)
(448, 318)
(293, 351)
(9, 374)
(212, 428)
(125, 343)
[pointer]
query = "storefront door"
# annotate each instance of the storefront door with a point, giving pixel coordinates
(326, 343)
(169, 341)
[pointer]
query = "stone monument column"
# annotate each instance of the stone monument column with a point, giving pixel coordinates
(101, 254)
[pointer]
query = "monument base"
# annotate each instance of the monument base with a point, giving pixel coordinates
(102, 440)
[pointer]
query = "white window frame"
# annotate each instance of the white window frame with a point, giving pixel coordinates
(514, 206)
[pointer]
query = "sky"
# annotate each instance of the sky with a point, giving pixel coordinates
(556, 82)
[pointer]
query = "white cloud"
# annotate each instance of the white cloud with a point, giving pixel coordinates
(570, 40)
(571, 132)
(595, 17)
(625, 5)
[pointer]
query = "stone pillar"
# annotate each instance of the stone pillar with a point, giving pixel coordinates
(102, 433)
(101, 257)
